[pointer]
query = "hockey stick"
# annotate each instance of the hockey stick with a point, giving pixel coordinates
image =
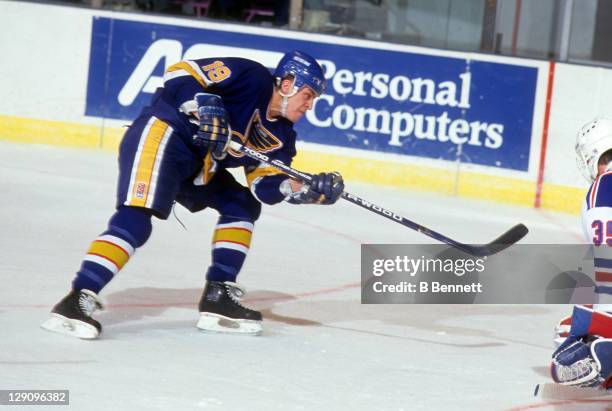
(502, 242)
(553, 391)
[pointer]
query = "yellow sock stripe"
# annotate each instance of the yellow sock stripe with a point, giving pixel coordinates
(240, 236)
(109, 251)
(146, 163)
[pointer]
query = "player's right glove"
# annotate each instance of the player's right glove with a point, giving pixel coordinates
(214, 132)
(324, 188)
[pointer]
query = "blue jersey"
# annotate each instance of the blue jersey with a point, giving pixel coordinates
(246, 89)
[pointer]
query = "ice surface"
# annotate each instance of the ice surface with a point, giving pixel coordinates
(321, 349)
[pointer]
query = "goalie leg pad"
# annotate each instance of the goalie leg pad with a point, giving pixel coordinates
(601, 350)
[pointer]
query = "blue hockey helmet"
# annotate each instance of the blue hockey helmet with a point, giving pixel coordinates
(304, 69)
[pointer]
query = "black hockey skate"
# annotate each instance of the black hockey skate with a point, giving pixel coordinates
(221, 310)
(72, 315)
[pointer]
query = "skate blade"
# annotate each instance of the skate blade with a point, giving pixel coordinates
(220, 324)
(75, 328)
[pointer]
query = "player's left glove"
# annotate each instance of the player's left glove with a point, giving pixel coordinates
(583, 362)
(214, 132)
(324, 188)
(329, 185)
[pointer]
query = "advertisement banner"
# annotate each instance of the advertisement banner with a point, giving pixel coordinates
(447, 108)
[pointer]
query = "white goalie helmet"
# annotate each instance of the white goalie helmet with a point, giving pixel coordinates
(594, 139)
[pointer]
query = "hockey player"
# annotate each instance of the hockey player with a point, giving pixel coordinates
(584, 357)
(177, 150)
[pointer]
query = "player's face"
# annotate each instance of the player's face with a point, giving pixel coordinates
(300, 103)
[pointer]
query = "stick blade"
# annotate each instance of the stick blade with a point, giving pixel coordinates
(552, 391)
(502, 242)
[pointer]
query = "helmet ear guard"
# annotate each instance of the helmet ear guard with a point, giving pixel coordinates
(593, 140)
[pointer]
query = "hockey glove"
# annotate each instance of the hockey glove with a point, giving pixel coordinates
(324, 188)
(214, 132)
(583, 362)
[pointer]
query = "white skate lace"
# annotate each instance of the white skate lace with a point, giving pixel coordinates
(89, 302)
(236, 292)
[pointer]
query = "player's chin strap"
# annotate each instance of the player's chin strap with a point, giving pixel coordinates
(285, 97)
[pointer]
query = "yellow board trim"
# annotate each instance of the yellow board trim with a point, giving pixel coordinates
(406, 176)
(566, 199)
(465, 184)
(59, 133)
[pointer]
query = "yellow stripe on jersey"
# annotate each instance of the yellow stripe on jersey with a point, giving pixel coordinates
(109, 251)
(184, 65)
(240, 236)
(260, 172)
(146, 163)
(209, 168)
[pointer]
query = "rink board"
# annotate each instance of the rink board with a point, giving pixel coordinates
(457, 123)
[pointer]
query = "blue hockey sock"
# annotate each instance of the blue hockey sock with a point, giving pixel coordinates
(128, 229)
(231, 242)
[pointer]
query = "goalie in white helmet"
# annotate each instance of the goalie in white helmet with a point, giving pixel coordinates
(584, 357)
(594, 158)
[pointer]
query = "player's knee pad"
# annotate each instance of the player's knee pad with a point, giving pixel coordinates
(133, 224)
(255, 208)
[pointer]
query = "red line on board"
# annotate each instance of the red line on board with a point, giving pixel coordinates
(551, 80)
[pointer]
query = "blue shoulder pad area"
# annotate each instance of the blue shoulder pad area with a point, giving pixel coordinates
(604, 192)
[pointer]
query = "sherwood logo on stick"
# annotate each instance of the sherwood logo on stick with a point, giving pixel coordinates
(367, 204)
